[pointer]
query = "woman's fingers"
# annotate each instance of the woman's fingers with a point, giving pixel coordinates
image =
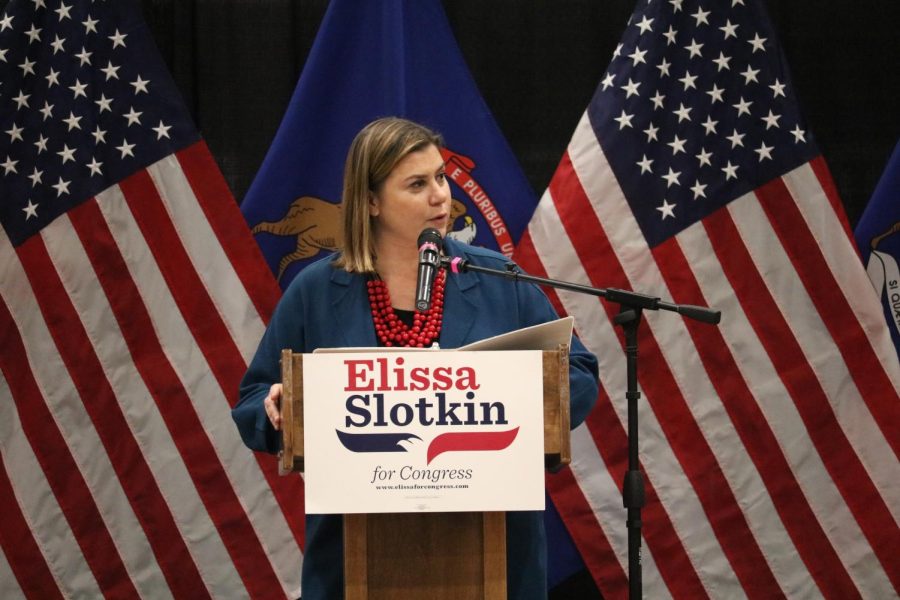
(273, 406)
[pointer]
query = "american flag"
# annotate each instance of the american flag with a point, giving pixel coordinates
(769, 443)
(131, 298)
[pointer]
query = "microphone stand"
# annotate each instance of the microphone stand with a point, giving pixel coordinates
(631, 307)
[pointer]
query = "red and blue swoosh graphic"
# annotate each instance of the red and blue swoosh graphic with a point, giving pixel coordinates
(375, 442)
(446, 442)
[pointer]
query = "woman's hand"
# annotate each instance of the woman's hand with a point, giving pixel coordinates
(272, 403)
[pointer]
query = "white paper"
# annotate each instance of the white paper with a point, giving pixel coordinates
(546, 336)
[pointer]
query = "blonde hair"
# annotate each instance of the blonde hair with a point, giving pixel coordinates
(374, 153)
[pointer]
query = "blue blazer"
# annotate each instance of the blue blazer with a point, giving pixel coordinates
(325, 307)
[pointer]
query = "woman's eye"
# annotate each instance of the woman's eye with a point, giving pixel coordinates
(441, 177)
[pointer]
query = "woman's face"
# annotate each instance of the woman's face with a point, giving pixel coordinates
(414, 196)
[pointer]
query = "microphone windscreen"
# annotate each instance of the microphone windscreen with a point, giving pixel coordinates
(429, 235)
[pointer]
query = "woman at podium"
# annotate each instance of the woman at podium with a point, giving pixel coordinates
(395, 187)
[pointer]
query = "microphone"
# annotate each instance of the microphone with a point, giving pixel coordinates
(429, 243)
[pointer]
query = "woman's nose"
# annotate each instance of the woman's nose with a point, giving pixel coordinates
(440, 193)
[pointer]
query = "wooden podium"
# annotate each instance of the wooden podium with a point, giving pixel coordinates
(458, 555)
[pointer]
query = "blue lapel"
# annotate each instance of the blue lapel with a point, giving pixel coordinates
(351, 316)
(459, 309)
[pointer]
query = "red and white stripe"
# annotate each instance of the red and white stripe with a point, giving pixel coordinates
(127, 324)
(769, 443)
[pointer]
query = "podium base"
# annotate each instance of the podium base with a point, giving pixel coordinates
(438, 556)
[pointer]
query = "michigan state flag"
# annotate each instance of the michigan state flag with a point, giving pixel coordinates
(878, 237)
(370, 60)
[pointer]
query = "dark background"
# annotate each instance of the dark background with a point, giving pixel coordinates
(537, 63)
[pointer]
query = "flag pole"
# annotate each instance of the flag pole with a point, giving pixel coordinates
(631, 307)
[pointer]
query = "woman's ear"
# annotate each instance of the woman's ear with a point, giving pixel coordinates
(373, 205)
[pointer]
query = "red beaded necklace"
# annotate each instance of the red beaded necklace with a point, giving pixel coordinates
(392, 331)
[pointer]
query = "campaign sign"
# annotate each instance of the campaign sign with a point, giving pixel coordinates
(437, 431)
